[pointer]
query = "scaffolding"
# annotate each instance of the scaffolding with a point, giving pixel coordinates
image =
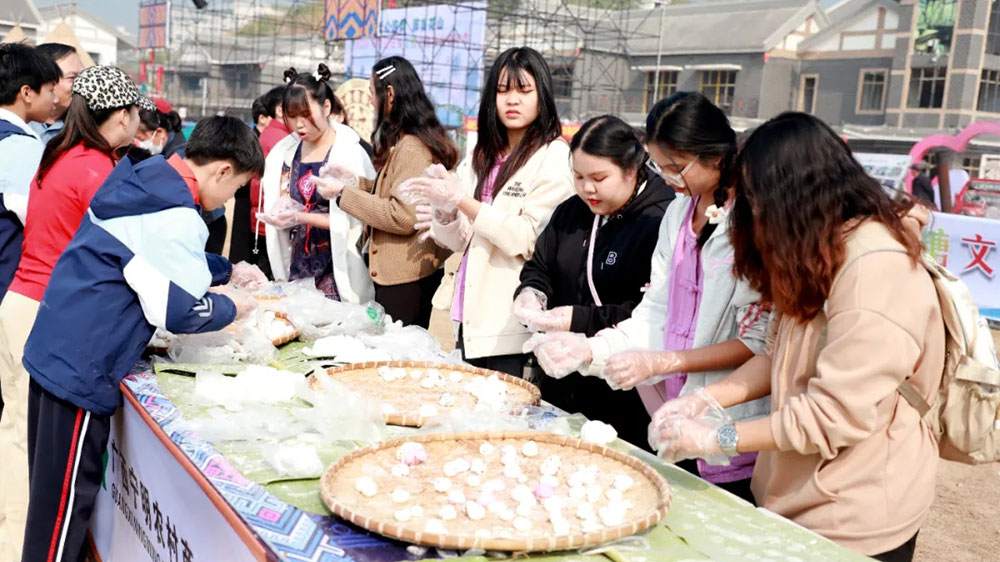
(220, 58)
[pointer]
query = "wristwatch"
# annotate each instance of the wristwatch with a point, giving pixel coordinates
(728, 440)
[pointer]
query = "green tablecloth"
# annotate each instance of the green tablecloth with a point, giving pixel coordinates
(704, 522)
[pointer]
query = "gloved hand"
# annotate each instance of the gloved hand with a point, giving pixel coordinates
(690, 406)
(630, 368)
(424, 219)
(247, 276)
(677, 439)
(245, 304)
(443, 193)
(282, 219)
(558, 319)
(332, 180)
(688, 427)
(528, 305)
(560, 353)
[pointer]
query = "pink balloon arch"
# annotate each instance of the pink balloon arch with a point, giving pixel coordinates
(957, 142)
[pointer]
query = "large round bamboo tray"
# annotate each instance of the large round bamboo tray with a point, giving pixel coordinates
(408, 398)
(650, 493)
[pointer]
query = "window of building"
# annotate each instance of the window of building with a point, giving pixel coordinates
(562, 82)
(993, 31)
(719, 86)
(244, 81)
(191, 83)
(989, 91)
(807, 93)
(927, 87)
(871, 90)
(668, 85)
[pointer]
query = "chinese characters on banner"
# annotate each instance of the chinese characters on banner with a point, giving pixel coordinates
(968, 247)
(445, 44)
(149, 507)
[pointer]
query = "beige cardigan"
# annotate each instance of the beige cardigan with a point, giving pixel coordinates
(855, 462)
(499, 241)
(395, 255)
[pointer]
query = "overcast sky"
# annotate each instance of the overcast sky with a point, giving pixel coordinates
(114, 12)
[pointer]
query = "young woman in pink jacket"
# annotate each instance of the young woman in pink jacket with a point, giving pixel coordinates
(842, 452)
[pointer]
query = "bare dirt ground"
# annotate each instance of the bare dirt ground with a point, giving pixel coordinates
(964, 523)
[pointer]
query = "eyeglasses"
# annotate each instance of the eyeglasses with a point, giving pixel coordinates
(671, 178)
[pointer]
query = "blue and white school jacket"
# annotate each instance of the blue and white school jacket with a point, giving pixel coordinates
(137, 263)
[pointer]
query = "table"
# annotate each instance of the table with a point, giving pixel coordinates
(170, 496)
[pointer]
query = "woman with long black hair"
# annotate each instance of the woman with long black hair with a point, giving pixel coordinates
(405, 269)
(494, 207)
(696, 323)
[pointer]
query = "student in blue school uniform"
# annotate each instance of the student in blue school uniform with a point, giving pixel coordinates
(137, 263)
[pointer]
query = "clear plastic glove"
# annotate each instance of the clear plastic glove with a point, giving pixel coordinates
(631, 368)
(690, 406)
(411, 195)
(247, 276)
(443, 194)
(529, 304)
(339, 175)
(688, 427)
(328, 188)
(425, 216)
(245, 303)
(677, 439)
(558, 319)
(560, 353)
(282, 220)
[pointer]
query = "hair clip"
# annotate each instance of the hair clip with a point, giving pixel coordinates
(288, 79)
(384, 73)
(317, 76)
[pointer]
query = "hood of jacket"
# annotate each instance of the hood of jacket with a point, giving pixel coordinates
(136, 189)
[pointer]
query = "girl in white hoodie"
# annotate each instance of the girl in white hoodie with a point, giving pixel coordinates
(494, 207)
(307, 236)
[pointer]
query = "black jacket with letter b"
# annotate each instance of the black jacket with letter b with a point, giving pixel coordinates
(621, 268)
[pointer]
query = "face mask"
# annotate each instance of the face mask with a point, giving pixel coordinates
(152, 148)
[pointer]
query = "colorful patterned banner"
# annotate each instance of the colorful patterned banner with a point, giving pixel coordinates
(350, 19)
(154, 17)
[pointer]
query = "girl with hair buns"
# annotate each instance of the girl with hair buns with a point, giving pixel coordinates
(696, 323)
(592, 261)
(405, 269)
(308, 236)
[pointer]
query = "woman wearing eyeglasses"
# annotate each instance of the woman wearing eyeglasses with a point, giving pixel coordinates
(696, 323)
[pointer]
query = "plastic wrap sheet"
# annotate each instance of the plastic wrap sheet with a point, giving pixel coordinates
(317, 316)
(237, 344)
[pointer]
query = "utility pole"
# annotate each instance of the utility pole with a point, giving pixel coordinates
(659, 50)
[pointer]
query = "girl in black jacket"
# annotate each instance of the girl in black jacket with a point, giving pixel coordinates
(592, 262)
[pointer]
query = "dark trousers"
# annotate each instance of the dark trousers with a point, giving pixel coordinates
(902, 553)
(739, 488)
(242, 237)
(66, 445)
(260, 258)
(513, 365)
(410, 303)
(216, 236)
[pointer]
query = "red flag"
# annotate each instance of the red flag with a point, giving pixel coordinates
(142, 72)
(158, 85)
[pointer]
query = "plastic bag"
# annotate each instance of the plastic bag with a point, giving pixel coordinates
(340, 414)
(253, 423)
(236, 344)
(255, 384)
(293, 461)
(410, 343)
(317, 316)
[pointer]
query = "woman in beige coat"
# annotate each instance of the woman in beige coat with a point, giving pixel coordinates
(842, 452)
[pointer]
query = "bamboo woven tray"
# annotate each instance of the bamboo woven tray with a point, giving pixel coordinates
(649, 492)
(406, 396)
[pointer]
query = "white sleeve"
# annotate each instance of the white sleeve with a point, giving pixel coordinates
(644, 329)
